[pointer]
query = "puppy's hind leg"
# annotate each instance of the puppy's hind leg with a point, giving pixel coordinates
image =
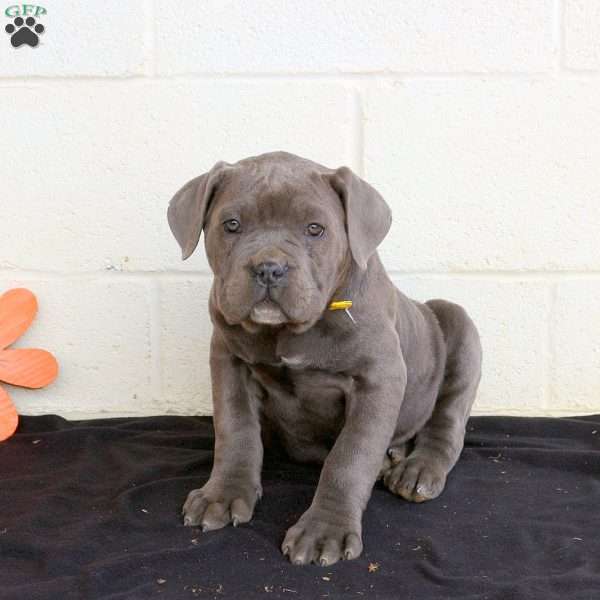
(422, 474)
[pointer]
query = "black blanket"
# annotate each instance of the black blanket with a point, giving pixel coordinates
(90, 509)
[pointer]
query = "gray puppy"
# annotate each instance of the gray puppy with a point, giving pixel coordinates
(381, 390)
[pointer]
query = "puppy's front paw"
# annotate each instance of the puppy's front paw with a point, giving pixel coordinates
(416, 479)
(322, 538)
(214, 506)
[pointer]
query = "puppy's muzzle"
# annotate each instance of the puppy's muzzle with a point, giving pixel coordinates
(271, 274)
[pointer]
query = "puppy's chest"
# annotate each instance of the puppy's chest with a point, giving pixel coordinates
(295, 369)
(291, 371)
(304, 387)
(305, 407)
(290, 353)
(283, 383)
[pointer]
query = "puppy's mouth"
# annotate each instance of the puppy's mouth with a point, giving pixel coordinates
(266, 312)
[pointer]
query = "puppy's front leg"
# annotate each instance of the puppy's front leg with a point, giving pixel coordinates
(234, 485)
(331, 528)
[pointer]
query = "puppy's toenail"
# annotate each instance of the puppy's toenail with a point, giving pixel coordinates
(204, 527)
(235, 522)
(187, 521)
(323, 562)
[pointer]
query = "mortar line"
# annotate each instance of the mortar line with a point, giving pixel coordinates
(358, 132)
(531, 411)
(150, 39)
(547, 348)
(496, 275)
(500, 275)
(551, 339)
(557, 35)
(241, 77)
(155, 344)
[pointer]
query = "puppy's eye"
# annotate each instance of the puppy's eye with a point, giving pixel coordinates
(231, 226)
(315, 230)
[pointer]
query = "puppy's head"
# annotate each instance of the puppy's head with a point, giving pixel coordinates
(280, 234)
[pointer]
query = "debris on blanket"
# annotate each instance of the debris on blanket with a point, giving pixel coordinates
(72, 499)
(373, 567)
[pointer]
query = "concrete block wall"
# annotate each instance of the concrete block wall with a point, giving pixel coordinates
(478, 120)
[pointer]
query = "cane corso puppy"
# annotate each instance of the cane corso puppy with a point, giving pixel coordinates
(313, 344)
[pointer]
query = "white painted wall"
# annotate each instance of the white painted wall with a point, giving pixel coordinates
(478, 120)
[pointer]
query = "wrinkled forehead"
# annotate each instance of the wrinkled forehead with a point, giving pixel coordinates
(277, 194)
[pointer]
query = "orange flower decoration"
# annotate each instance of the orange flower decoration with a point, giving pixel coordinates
(30, 368)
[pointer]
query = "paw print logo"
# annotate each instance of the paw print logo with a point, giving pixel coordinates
(24, 32)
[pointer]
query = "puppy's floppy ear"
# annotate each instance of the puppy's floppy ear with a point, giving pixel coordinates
(368, 217)
(188, 208)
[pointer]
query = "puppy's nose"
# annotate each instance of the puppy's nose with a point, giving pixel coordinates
(270, 273)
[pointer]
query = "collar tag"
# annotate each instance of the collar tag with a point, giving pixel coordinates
(344, 305)
(340, 305)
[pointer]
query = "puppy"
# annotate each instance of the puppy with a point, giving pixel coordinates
(312, 343)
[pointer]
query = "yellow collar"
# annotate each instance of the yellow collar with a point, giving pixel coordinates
(340, 305)
(344, 305)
